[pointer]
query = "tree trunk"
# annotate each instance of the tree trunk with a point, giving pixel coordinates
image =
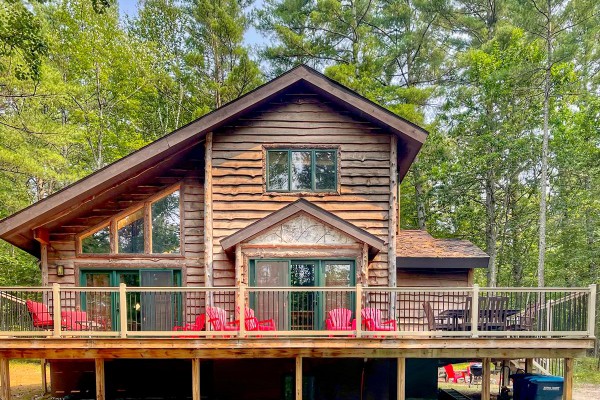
(490, 227)
(420, 204)
(544, 161)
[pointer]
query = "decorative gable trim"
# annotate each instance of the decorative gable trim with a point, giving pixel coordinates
(266, 225)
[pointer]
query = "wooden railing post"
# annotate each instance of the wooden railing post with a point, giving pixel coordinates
(475, 312)
(123, 310)
(592, 311)
(242, 307)
(56, 309)
(359, 293)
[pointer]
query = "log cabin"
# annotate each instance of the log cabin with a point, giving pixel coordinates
(255, 253)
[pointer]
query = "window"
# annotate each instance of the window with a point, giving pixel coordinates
(97, 243)
(151, 228)
(301, 170)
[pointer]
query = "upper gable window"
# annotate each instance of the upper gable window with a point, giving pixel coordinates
(151, 228)
(301, 170)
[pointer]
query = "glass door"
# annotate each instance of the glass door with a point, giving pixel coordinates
(271, 304)
(157, 308)
(98, 306)
(303, 305)
(145, 311)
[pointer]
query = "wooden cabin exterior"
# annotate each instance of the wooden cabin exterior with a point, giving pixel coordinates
(284, 201)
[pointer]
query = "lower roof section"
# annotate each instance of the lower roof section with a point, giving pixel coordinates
(416, 249)
(506, 348)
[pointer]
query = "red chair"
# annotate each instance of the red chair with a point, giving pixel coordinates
(455, 376)
(218, 320)
(39, 314)
(372, 320)
(75, 321)
(253, 324)
(340, 319)
(198, 325)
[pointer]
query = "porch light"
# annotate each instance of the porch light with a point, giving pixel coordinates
(60, 270)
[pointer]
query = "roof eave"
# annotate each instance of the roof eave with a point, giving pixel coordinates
(442, 262)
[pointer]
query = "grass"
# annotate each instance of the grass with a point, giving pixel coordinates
(586, 370)
(26, 380)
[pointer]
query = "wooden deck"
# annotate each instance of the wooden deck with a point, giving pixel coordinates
(499, 348)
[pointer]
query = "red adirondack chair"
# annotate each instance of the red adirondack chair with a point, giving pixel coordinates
(372, 319)
(218, 320)
(455, 376)
(340, 319)
(39, 314)
(198, 325)
(253, 324)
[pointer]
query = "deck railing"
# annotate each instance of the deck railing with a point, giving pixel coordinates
(215, 312)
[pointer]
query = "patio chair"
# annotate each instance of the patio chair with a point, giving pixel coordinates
(75, 321)
(253, 324)
(524, 320)
(455, 376)
(340, 319)
(495, 314)
(372, 319)
(217, 317)
(436, 323)
(40, 315)
(198, 325)
(466, 324)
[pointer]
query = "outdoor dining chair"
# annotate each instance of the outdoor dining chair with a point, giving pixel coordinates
(436, 323)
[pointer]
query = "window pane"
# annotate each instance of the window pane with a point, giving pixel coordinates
(97, 243)
(301, 175)
(165, 225)
(325, 170)
(131, 233)
(278, 170)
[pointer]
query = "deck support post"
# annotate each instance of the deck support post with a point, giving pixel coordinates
(43, 364)
(485, 381)
(568, 386)
(529, 365)
(401, 378)
(298, 384)
(4, 379)
(505, 372)
(195, 379)
(100, 386)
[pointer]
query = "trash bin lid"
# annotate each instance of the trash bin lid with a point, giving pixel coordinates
(545, 378)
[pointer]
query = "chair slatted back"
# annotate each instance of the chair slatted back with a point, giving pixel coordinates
(341, 317)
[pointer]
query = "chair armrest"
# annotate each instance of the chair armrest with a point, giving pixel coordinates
(329, 324)
(391, 322)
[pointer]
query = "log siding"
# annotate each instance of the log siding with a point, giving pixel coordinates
(299, 121)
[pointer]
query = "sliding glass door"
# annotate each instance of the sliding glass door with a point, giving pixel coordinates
(155, 310)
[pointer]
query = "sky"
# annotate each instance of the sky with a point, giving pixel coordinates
(251, 37)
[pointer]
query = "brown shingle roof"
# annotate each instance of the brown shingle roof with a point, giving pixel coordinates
(416, 248)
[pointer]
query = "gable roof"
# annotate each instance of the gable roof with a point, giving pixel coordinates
(418, 249)
(299, 206)
(17, 228)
